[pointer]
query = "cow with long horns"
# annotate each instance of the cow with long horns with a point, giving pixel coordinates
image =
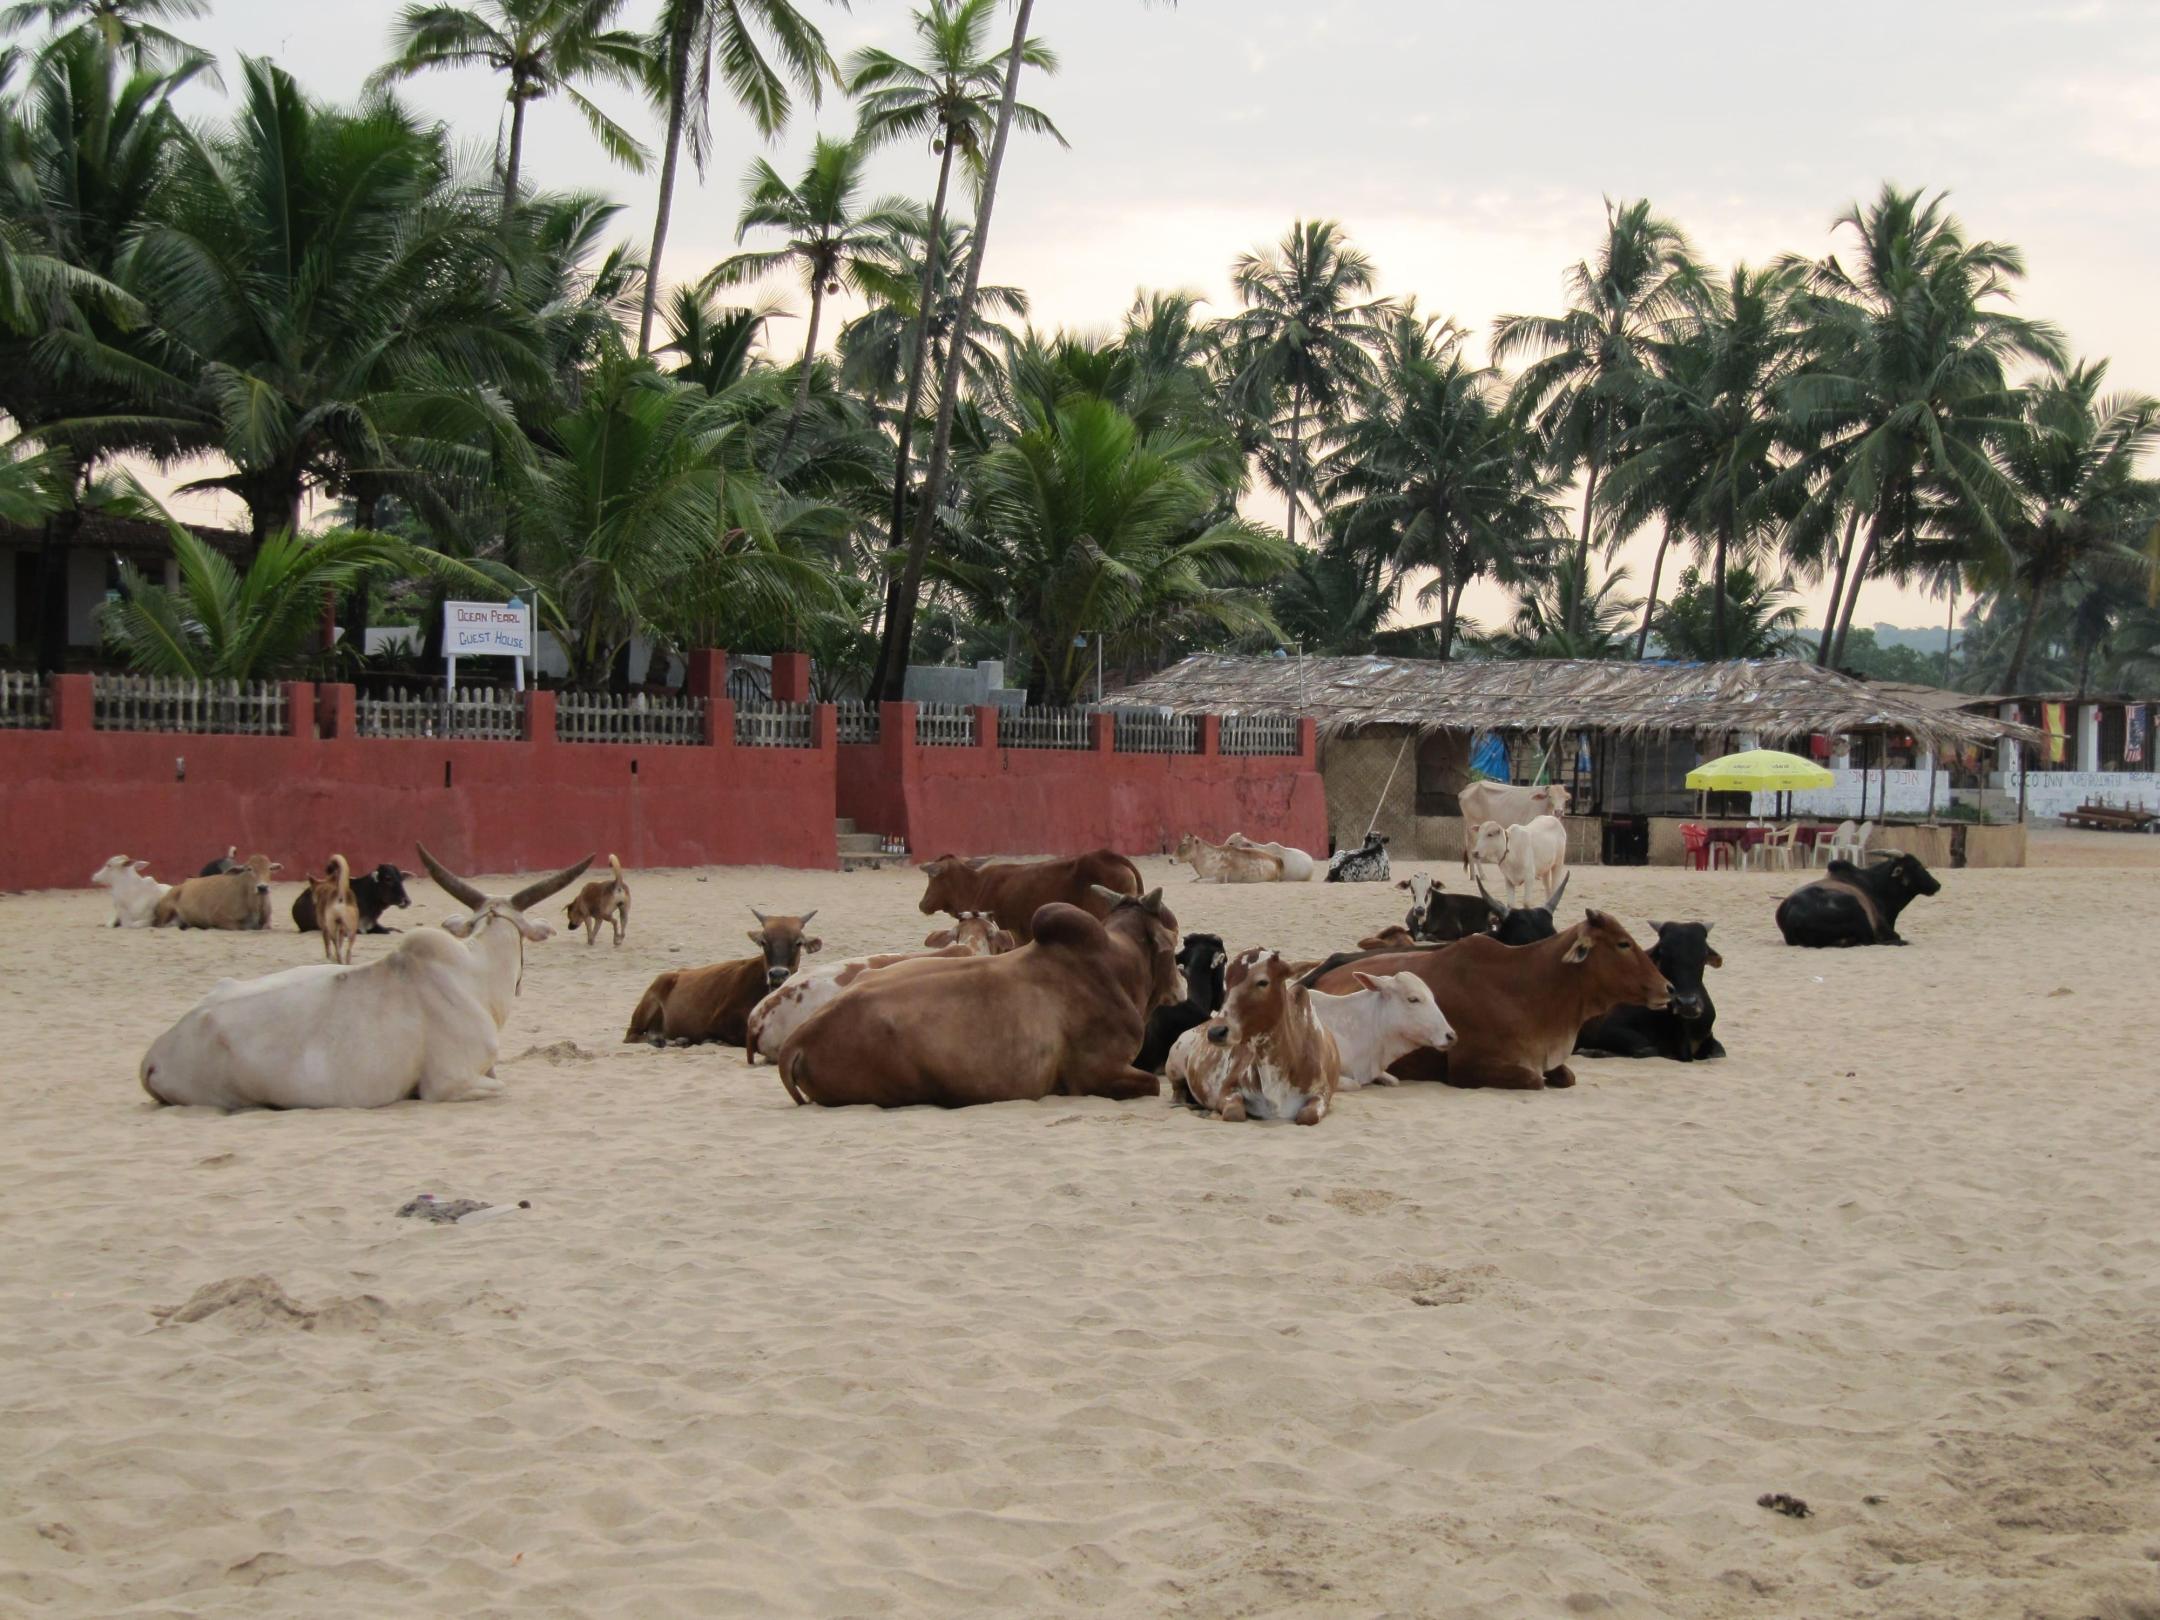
(421, 1021)
(690, 1005)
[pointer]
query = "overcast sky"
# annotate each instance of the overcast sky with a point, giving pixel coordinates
(1466, 147)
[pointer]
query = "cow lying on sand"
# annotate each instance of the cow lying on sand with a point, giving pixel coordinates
(373, 892)
(236, 899)
(1683, 1029)
(1201, 961)
(1061, 1016)
(135, 893)
(1228, 863)
(421, 1021)
(1013, 891)
(1855, 905)
(788, 1008)
(1366, 864)
(1517, 1009)
(1267, 1057)
(1297, 866)
(689, 1005)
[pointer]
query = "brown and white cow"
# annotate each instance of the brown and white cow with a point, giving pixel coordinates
(714, 1003)
(788, 1008)
(1061, 1016)
(236, 899)
(1517, 1009)
(1510, 806)
(1267, 1056)
(1228, 863)
(1013, 891)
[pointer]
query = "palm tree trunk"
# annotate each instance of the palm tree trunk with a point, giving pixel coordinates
(1837, 590)
(1582, 549)
(1297, 457)
(1861, 568)
(55, 552)
(365, 503)
(2016, 672)
(900, 625)
(678, 87)
(925, 294)
(1450, 614)
(1649, 607)
(517, 152)
(1717, 600)
(809, 359)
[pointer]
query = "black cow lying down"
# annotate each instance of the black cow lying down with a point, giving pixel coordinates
(1682, 1029)
(1855, 905)
(373, 892)
(1201, 959)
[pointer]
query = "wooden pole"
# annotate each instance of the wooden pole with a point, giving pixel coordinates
(1384, 786)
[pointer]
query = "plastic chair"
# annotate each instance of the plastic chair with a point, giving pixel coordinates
(1853, 847)
(1775, 850)
(1826, 849)
(1702, 853)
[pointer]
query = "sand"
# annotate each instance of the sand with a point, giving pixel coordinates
(1450, 1353)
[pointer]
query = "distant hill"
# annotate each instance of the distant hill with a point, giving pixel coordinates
(1928, 639)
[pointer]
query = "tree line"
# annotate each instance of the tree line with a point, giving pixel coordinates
(494, 391)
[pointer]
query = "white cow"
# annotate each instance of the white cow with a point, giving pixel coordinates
(1297, 866)
(789, 1007)
(1510, 806)
(423, 1020)
(135, 893)
(1389, 1019)
(1534, 852)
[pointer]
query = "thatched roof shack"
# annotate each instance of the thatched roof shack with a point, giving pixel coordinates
(1773, 698)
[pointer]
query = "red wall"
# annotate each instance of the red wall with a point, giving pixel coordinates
(988, 800)
(72, 796)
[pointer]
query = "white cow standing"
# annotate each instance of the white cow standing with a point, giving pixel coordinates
(1510, 806)
(1534, 852)
(422, 1021)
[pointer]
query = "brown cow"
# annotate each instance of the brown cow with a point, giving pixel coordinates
(1518, 1008)
(791, 1006)
(713, 1003)
(236, 899)
(1013, 891)
(1267, 1057)
(1062, 1015)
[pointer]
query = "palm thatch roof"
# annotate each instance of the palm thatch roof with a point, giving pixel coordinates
(1775, 698)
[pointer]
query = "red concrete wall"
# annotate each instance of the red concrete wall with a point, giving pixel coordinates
(988, 800)
(73, 796)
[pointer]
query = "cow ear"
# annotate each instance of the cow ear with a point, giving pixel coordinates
(757, 936)
(938, 939)
(1578, 952)
(141, 866)
(1367, 980)
(1403, 884)
(813, 945)
(1005, 941)
(1713, 959)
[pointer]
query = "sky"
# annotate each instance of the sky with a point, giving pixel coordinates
(1466, 147)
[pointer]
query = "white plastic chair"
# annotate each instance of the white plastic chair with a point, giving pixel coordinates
(1851, 843)
(1825, 848)
(1777, 849)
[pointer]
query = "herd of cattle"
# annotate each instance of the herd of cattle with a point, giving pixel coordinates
(1057, 977)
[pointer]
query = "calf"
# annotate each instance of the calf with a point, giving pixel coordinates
(1382, 1020)
(1394, 937)
(1200, 960)
(237, 899)
(1228, 863)
(373, 892)
(1267, 1057)
(1517, 1009)
(1367, 864)
(604, 900)
(1682, 1029)
(1533, 853)
(1013, 891)
(1481, 802)
(1297, 866)
(1853, 905)
(1437, 918)
(788, 1008)
(337, 919)
(714, 1003)
(135, 893)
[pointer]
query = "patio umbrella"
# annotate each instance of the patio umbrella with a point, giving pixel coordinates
(1759, 770)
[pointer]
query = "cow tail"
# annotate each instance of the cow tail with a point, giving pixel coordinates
(651, 1009)
(1139, 884)
(792, 1060)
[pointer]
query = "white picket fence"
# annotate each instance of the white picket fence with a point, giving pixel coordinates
(948, 725)
(1046, 728)
(857, 722)
(177, 704)
(772, 725)
(1158, 734)
(477, 713)
(25, 704)
(1259, 734)
(605, 717)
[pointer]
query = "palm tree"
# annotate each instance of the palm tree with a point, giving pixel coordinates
(1591, 361)
(2083, 514)
(130, 28)
(948, 98)
(1332, 602)
(1100, 531)
(1305, 333)
(1758, 618)
(829, 239)
(690, 35)
(1908, 382)
(543, 46)
(1559, 616)
(877, 348)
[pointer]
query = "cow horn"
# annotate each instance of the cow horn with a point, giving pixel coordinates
(533, 893)
(1478, 877)
(759, 915)
(1110, 895)
(804, 919)
(1553, 904)
(451, 883)
(1151, 903)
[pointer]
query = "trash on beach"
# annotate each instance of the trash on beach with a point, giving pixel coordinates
(461, 1211)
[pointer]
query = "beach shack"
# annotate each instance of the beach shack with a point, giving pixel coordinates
(1401, 737)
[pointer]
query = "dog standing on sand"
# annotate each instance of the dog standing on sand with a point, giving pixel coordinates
(337, 917)
(604, 900)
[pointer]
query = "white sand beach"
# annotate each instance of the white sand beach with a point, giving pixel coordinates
(1450, 1354)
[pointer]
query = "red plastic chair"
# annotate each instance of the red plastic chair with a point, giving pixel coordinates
(1702, 852)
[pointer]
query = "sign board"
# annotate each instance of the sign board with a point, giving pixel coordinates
(487, 630)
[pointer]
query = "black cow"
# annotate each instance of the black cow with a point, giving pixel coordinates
(1438, 918)
(227, 862)
(373, 892)
(1681, 1030)
(1367, 864)
(1855, 905)
(1201, 959)
(1521, 925)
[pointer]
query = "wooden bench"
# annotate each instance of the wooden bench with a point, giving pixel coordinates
(2111, 818)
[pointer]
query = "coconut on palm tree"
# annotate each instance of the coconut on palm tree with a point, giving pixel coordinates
(543, 47)
(745, 36)
(829, 237)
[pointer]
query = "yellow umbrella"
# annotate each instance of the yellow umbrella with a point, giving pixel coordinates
(1759, 770)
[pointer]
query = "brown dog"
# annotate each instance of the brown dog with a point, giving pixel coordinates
(337, 918)
(604, 900)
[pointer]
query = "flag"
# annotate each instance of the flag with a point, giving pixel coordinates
(2134, 734)
(2057, 727)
